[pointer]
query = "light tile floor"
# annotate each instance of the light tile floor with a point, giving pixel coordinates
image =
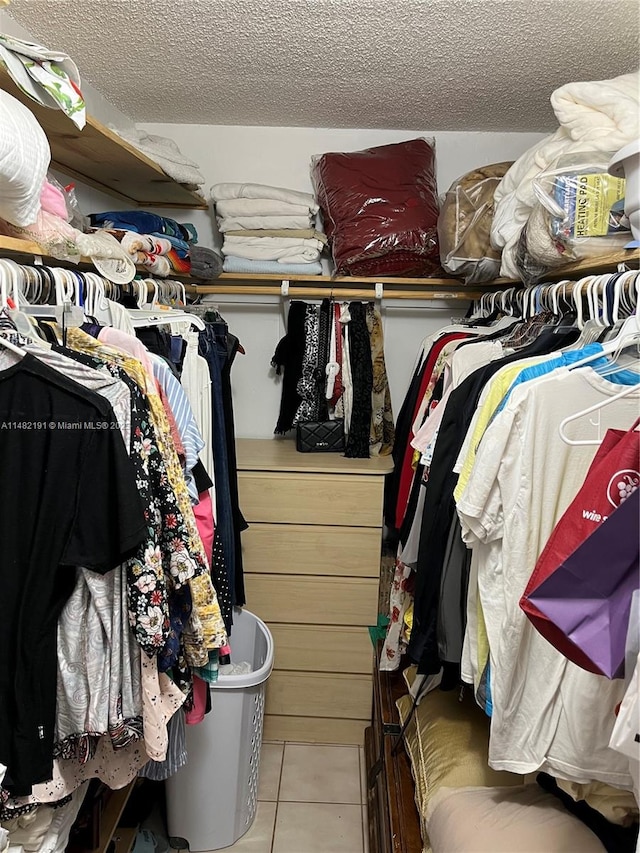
(311, 799)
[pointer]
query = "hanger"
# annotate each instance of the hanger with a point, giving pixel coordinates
(576, 442)
(164, 318)
(628, 334)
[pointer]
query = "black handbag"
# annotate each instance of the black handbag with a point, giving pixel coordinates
(320, 437)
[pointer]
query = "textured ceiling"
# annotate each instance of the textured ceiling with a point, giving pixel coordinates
(412, 64)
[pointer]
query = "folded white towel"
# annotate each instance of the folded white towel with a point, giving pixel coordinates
(251, 223)
(259, 207)
(282, 249)
(232, 190)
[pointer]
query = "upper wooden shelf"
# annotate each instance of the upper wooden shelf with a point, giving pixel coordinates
(591, 266)
(97, 156)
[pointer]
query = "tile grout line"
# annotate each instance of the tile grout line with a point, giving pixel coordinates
(275, 819)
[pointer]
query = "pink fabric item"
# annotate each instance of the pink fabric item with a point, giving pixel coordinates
(53, 201)
(203, 512)
(196, 714)
(380, 209)
(128, 343)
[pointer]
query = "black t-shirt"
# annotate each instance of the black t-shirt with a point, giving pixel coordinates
(68, 498)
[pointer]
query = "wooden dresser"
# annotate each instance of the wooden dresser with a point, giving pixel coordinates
(394, 825)
(312, 567)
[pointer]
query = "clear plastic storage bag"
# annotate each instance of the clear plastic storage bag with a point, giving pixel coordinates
(464, 225)
(380, 208)
(579, 215)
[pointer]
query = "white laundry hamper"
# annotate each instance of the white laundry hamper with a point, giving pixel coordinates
(212, 800)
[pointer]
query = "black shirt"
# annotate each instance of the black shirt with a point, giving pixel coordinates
(68, 498)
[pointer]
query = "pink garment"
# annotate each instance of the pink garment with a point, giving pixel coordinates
(53, 201)
(203, 512)
(129, 344)
(427, 431)
(196, 714)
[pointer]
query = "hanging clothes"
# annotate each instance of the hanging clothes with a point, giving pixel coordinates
(334, 369)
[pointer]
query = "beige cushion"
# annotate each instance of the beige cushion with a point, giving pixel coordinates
(503, 820)
(453, 743)
(412, 745)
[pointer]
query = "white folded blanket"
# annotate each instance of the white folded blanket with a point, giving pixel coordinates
(600, 116)
(282, 249)
(259, 207)
(220, 192)
(257, 223)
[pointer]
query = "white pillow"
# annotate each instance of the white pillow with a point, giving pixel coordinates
(503, 820)
(24, 159)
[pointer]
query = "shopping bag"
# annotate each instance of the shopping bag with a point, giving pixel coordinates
(588, 597)
(613, 475)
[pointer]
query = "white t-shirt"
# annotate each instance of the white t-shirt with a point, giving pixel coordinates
(547, 712)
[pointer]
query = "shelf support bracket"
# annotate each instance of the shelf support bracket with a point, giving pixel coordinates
(286, 300)
(379, 291)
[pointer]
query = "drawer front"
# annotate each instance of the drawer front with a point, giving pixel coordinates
(319, 648)
(314, 729)
(348, 500)
(319, 694)
(311, 550)
(305, 600)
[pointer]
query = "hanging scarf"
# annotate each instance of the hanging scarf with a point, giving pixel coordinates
(324, 335)
(382, 427)
(334, 365)
(307, 384)
(288, 356)
(344, 406)
(362, 373)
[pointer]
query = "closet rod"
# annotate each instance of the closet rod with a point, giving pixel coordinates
(299, 292)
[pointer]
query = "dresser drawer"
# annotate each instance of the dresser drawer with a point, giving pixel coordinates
(319, 694)
(322, 648)
(293, 498)
(305, 600)
(311, 549)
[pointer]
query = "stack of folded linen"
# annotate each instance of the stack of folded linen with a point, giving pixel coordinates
(268, 229)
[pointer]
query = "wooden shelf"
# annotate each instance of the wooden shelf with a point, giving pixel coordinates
(591, 266)
(97, 156)
(111, 815)
(124, 838)
(345, 287)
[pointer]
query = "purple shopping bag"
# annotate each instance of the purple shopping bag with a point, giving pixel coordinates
(588, 597)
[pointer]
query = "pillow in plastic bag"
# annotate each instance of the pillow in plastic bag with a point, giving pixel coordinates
(380, 209)
(578, 215)
(24, 159)
(464, 225)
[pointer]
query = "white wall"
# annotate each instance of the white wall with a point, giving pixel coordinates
(281, 156)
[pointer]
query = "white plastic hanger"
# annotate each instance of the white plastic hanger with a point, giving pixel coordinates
(3, 307)
(628, 335)
(575, 442)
